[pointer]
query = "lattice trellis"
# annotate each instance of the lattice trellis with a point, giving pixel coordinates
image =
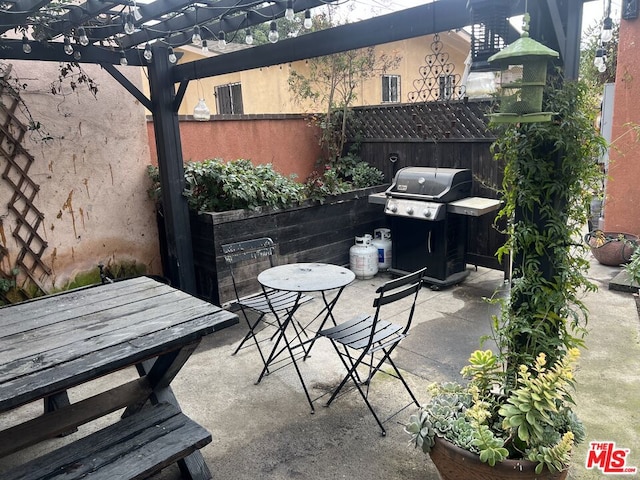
(28, 218)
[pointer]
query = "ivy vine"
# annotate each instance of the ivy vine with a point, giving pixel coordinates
(550, 173)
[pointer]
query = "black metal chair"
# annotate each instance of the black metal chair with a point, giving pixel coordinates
(263, 303)
(358, 340)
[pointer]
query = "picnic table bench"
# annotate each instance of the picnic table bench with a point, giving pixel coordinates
(58, 342)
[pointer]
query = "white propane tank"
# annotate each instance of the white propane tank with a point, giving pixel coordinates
(363, 258)
(382, 242)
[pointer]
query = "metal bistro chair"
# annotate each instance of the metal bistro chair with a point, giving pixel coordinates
(267, 301)
(357, 340)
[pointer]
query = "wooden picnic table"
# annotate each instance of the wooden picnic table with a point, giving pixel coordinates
(57, 342)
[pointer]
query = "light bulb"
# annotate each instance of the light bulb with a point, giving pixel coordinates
(129, 28)
(602, 67)
(222, 42)
(77, 55)
(123, 59)
(26, 48)
(273, 32)
(148, 54)
(205, 46)
(607, 30)
(248, 38)
(172, 55)
(599, 58)
(196, 39)
(68, 49)
(201, 112)
(288, 13)
(307, 19)
(82, 37)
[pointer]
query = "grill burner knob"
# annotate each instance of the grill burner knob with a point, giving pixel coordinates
(393, 208)
(427, 213)
(410, 210)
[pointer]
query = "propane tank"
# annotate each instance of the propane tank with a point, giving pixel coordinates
(382, 242)
(363, 258)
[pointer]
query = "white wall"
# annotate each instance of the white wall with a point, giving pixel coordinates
(91, 175)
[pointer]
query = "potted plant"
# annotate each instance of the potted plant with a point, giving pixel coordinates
(611, 248)
(513, 418)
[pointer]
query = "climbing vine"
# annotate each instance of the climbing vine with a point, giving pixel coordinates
(550, 170)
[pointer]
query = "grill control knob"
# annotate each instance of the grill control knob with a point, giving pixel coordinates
(427, 213)
(410, 210)
(393, 208)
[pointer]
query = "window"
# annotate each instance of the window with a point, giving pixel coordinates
(391, 88)
(229, 99)
(446, 84)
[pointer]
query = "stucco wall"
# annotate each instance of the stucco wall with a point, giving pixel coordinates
(622, 204)
(286, 141)
(91, 175)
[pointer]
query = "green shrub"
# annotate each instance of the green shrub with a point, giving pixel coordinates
(633, 267)
(217, 186)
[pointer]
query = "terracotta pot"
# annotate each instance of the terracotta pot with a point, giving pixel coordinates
(455, 463)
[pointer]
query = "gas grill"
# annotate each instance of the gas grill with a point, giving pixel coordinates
(428, 209)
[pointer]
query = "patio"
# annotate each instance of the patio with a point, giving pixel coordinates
(266, 431)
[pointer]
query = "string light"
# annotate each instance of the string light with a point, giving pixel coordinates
(248, 38)
(307, 19)
(289, 13)
(273, 32)
(123, 59)
(148, 54)
(82, 37)
(77, 55)
(172, 55)
(129, 27)
(26, 47)
(68, 49)
(196, 39)
(607, 25)
(205, 46)
(222, 42)
(600, 60)
(201, 112)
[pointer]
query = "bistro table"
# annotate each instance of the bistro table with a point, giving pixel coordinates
(53, 343)
(303, 278)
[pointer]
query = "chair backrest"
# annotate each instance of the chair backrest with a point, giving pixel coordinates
(254, 249)
(397, 289)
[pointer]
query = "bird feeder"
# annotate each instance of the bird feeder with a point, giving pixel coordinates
(523, 67)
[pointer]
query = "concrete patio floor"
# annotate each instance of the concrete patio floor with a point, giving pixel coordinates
(266, 431)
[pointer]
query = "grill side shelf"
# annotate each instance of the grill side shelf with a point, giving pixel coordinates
(473, 206)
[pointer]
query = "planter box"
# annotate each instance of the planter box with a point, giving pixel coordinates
(311, 232)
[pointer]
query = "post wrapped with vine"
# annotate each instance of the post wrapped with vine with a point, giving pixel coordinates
(550, 168)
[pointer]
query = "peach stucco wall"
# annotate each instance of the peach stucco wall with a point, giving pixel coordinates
(285, 141)
(92, 175)
(622, 204)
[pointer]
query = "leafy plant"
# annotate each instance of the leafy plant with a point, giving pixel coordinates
(517, 403)
(633, 267)
(215, 186)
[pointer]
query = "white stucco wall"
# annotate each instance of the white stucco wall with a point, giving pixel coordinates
(91, 175)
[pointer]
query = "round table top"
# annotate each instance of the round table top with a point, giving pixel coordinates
(306, 277)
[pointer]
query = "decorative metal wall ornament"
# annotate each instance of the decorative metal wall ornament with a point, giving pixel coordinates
(438, 80)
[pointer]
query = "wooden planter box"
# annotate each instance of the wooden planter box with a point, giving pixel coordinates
(312, 232)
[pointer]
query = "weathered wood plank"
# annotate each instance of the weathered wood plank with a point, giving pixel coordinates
(16, 390)
(132, 448)
(70, 416)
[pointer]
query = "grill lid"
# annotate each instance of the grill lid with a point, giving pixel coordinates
(440, 185)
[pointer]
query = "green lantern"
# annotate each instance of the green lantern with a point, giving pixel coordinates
(524, 73)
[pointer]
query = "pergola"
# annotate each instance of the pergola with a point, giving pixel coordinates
(105, 32)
